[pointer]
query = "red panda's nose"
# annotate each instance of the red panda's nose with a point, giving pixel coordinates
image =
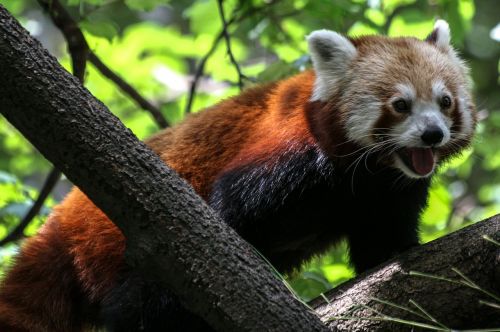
(432, 135)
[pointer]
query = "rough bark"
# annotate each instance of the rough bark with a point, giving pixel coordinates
(171, 233)
(454, 305)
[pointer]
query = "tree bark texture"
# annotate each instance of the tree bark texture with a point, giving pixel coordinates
(454, 305)
(171, 233)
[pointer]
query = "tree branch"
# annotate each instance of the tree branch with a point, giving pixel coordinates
(171, 233)
(227, 38)
(199, 72)
(398, 11)
(77, 45)
(76, 40)
(200, 68)
(432, 276)
(129, 90)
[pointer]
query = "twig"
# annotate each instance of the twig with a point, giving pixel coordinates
(63, 20)
(465, 282)
(77, 45)
(468, 282)
(397, 11)
(227, 38)
(487, 238)
(128, 90)
(397, 306)
(428, 315)
(201, 65)
(199, 72)
(47, 188)
(490, 304)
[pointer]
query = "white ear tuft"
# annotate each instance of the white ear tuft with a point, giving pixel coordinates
(440, 35)
(331, 54)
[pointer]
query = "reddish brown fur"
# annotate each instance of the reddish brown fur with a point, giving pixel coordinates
(78, 253)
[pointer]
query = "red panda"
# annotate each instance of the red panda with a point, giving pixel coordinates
(345, 150)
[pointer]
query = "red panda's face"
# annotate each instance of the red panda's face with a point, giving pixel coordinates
(403, 99)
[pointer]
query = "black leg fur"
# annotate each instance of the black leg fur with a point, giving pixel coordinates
(387, 223)
(142, 305)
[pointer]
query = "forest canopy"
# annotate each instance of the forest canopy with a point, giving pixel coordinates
(159, 48)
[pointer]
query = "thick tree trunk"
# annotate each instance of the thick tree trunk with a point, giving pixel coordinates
(171, 233)
(454, 305)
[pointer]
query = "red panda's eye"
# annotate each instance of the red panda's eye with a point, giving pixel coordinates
(401, 106)
(445, 102)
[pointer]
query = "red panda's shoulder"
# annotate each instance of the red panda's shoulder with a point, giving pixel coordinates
(259, 121)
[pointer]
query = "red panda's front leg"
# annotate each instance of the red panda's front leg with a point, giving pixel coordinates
(280, 204)
(138, 303)
(387, 222)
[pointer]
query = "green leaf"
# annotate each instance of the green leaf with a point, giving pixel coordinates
(15, 7)
(336, 273)
(204, 17)
(276, 71)
(145, 5)
(106, 29)
(412, 23)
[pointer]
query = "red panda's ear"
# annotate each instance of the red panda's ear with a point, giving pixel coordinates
(440, 36)
(331, 53)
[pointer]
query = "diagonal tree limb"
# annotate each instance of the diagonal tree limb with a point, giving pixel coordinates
(200, 68)
(76, 40)
(128, 89)
(77, 45)
(424, 275)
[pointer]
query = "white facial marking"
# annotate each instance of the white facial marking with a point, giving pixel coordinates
(407, 91)
(423, 115)
(439, 90)
(362, 118)
(331, 54)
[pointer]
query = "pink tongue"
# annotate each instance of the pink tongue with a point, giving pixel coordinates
(422, 160)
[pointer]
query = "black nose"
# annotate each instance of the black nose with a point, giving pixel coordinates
(432, 135)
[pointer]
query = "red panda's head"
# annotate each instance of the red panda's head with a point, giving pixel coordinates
(405, 99)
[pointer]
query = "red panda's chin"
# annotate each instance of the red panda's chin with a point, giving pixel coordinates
(416, 162)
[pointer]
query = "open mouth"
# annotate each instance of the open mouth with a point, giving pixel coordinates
(421, 161)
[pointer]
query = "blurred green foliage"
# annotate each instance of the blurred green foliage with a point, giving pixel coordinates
(156, 45)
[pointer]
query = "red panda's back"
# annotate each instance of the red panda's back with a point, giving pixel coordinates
(64, 271)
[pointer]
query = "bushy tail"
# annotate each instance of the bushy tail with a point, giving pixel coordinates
(40, 292)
